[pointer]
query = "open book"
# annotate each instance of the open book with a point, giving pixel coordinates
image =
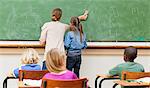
(32, 82)
(144, 80)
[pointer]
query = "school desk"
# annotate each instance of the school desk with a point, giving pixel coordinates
(5, 80)
(22, 85)
(131, 84)
(104, 77)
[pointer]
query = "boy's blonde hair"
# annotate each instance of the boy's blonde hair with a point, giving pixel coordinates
(30, 56)
(55, 60)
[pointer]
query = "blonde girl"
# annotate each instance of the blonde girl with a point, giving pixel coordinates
(29, 60)
(56, 65)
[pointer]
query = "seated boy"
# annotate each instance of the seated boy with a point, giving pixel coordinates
(29, 61)
(130, 54)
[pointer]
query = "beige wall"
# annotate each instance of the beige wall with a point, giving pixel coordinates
(94, 61)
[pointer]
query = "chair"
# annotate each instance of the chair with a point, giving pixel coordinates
(31, 74)
(76, 83)
(132, 76)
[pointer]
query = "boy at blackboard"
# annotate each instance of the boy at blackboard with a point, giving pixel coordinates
(53, 32)
(75, 41)
(130, 54)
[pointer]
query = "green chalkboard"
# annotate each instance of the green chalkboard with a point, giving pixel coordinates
(109, 20)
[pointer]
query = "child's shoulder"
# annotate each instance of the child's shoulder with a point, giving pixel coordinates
(31, 66)
(70, 33)
(55, 23)
(69, 72)
(60, 22)
(121, 64)
(47, 75)
(63, 24)
(138, 64)
(46, 23)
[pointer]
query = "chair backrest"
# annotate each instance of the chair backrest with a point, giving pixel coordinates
(134, 75)
(30, 74)
(75, 83)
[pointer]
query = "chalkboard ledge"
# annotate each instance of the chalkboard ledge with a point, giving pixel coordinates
(91, 45)
(20, 44)
(118, 45)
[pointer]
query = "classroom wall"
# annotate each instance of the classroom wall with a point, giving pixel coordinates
(94, 61)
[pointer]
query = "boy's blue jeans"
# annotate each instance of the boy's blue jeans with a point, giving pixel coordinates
(44, 66)
(73, 63)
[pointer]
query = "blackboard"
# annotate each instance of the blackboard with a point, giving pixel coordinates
(109, 20)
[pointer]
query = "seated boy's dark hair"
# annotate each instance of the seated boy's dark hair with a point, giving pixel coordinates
(130, 53)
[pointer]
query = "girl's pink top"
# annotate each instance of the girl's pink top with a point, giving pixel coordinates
(66, 75)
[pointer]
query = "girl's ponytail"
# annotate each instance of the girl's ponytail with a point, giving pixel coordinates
(77, 26)
(81, 32)
(56, 14)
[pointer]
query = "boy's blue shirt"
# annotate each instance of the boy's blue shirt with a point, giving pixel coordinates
(26, 67)
(73, 44)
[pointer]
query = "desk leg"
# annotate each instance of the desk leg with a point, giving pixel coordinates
(114, 86)
(96, 81)
(5, 82)
(100, 83)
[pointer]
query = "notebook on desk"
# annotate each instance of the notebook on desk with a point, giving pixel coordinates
(32, 82)
(144, 80)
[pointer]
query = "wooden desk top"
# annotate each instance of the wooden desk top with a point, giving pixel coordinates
(106, 76)
(125, 83)
(10, 74)
(22, 85)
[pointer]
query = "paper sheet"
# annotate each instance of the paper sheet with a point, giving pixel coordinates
(32, 82)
